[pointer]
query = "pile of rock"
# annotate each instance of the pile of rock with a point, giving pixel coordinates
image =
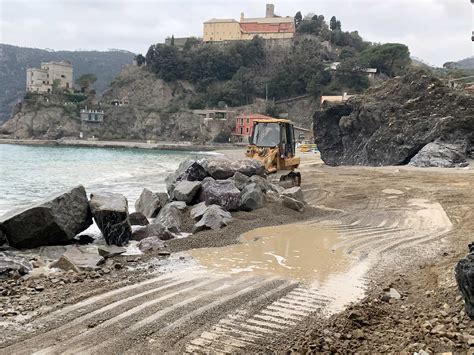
(206, 189)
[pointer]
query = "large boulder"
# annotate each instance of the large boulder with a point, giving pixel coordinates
(220, 192)
(219, 168)
(262, 183)
(392, 122)
(110, 212)
(155, 230)
(186, 191)
(170, 216)
(138, 219)
(198, 210)
(240, 180)
(150, 203)
(465, 278)
(10, 262)
(252, 198)
(249, 167)
(188, 170)
(441, 154)
(3, 238)
(213, 218)
(54, 220)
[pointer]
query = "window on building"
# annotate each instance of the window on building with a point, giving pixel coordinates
(247, 130)
(241, 130)
(63, 76)
(248, 120)
(90, 116)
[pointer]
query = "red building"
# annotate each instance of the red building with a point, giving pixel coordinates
(244, 125)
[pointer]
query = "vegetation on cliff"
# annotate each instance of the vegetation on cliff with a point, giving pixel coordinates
(236, 73)
(15, 60)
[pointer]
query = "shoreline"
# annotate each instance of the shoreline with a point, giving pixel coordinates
(185, 146)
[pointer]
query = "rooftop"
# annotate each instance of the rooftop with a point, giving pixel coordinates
(218, 20)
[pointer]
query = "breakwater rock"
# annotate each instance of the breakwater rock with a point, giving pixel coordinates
(52, 221)
(391, 123)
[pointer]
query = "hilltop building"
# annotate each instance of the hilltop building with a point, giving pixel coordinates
(268, 27)
(41, 80)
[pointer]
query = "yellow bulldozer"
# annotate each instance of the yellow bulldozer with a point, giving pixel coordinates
(273, 143)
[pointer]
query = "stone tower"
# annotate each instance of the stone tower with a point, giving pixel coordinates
(270, 10)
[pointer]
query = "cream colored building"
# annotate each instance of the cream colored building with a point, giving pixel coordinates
(268, 27)
(41, 80)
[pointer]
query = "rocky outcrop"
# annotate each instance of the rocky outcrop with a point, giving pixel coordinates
(110, 212)
(440, 154)
(138, 219)
(240, 180)
(293, 198)
(150, 203)
(186, 191)
(465, 278)
(150, 243)
(54, 220)
(391, 123)
(220, 192)
(214, 217)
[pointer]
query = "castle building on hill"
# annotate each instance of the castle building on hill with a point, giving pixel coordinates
(41, 80)
(268, 27)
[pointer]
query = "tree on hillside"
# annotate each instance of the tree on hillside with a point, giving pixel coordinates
(338, 25)
(85, 81)
(140, 59)
(389, 58)
(165, 61)
(298, 19)
(333, 23)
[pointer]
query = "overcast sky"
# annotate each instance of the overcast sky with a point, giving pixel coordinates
(435, 30)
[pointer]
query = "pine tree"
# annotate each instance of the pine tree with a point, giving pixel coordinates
(333, 23)
(298, 19)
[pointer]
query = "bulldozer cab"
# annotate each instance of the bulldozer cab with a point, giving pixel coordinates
(273, 143)
(272, 134)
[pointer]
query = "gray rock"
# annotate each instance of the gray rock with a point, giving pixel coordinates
(248, 167)
(150, 203)
(65, 264)
(155, 230)
(214, 218)
(84, 258)
(3, 238)
(151, 243)
(272, 197)
(198, 210)
(219, 168)
(170, 216)
(393, 293)
(110, 212)
(441, 154)
(138, 219)
(292, 203)
(54, 220)
(10, 262)
(109, 251)
(295, 193)
(464, 272)
(83, 239)
(220, 192)
(262, 183)
(252, 198)
(240, 180)
(186, 191)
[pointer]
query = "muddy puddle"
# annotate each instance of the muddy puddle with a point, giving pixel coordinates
(304, 252)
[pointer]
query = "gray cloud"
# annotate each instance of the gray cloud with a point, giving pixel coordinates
(435, 30)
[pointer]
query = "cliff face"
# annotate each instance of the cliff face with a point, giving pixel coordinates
(156, 111)
(391, 123)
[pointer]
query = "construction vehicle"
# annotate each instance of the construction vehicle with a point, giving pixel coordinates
(273, 143)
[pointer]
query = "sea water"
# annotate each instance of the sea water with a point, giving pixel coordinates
(30, 173)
